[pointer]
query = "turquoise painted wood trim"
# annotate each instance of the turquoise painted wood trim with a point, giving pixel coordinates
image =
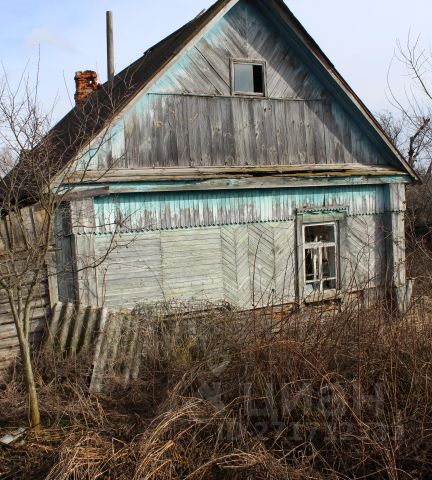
(171, 210)
(322, 215)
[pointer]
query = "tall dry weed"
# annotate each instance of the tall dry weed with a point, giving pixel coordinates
(223, 394)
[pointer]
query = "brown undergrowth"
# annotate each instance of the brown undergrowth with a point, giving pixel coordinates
(325, 395)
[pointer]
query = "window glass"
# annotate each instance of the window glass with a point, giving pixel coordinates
(248, 78)
(243, 77)
(320, 257)
(320, 233)
(329, 262)
(312, 263)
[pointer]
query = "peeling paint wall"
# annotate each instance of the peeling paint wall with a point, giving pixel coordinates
(233, 246)
(155, 211)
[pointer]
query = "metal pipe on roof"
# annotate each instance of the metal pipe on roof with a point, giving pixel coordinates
(110, 45)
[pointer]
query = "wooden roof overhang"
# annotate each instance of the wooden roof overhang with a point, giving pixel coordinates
(234, 178)
(199, 173)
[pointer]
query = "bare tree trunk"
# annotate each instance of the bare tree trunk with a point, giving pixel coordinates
(34, 414)
(24, 344)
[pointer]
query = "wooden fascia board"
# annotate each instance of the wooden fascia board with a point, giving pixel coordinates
(273, 183)
(84, 193)
(153, 184)
(307, 41)
(173, 173)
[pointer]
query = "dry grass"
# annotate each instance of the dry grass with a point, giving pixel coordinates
(230, 396)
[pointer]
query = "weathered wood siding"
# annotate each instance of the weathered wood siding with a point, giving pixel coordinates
(238, 247)
(166, 210)
(15, 259)
(40, 310)
(64, 254)
(243, 33)
(176, 130)
(245, 265)
(364, 252)
(248, 265)
(189, 117)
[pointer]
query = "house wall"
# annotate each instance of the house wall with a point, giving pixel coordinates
(238, 247)
(244, 265)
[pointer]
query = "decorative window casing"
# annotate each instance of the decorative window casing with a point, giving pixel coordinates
(320, 257)
(248, 77)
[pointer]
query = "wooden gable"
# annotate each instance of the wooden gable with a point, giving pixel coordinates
(190, 118)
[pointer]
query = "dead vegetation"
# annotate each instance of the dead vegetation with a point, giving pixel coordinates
(228, 395)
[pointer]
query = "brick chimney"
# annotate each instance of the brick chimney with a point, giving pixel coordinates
(86, 82)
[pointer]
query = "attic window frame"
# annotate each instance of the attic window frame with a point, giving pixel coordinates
(242, 61)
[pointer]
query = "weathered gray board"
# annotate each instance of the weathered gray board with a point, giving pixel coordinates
(114, 340)
(235, 131)
(126, 337)
(190, 118)
(40, 311)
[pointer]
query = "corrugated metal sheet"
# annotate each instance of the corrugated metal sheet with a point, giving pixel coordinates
(170, 210)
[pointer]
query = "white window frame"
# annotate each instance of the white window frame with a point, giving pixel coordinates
(320, 246)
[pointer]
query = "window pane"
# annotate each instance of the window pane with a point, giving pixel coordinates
(319, 233)
(243, 77)
(329, 262)
(330, 285)
(312, 264)
(258, 78)
(312, 287)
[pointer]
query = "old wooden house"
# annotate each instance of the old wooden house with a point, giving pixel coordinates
(240, 167)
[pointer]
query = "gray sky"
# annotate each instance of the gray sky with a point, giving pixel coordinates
(358, 36)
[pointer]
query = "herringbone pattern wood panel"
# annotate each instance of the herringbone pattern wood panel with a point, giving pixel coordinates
(285, 261)
(262, 264)
(235, 265)
(363, 259)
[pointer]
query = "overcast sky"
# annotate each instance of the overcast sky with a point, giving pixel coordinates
(359, 37)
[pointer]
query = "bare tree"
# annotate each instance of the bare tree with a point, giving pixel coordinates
(36, 163)
(409, 126)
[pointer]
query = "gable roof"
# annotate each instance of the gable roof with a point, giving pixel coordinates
(80, 126)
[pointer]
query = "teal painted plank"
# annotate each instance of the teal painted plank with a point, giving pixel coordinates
(153, 211)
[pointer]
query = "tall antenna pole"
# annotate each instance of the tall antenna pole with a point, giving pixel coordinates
(110, 46)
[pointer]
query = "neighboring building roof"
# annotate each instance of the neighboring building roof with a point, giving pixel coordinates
(79, 126)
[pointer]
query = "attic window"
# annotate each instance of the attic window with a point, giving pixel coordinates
(248, 78)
